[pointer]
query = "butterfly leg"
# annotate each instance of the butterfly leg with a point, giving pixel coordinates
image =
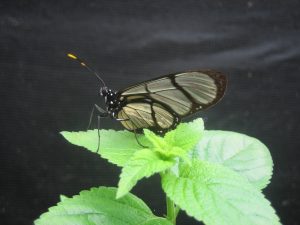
(98, 132)
(101, 112)
(91, 117)
(137, 140)
(98, 128)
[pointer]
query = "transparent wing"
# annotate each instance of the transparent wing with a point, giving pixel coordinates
(183, 93)
(146, 115)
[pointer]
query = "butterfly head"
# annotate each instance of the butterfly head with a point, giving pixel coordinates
(109, 95)
(104, 91)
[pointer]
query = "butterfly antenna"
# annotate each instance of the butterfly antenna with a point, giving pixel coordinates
(82, 63)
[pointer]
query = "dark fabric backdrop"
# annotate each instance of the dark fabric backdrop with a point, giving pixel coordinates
(255, 42)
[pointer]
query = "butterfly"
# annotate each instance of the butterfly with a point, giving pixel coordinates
(160, 104)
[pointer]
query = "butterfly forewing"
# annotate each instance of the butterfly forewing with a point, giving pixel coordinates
(160, 103)
(201, 87)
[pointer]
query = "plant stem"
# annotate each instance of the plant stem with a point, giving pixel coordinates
(171, 214)
(172, 210)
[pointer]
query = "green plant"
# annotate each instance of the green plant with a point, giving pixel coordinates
(214, 176)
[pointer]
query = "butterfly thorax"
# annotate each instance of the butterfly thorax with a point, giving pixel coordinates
(113, 105)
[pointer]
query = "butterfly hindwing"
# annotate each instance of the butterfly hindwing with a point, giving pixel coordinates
(147, 114)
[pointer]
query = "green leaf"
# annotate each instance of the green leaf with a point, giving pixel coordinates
(161, 155)
(156, 141)
(239, 152)
(63, 197)
(144, 163)
(178, 142)
(157, 221)
(186, 135)
(98, 206)
(119, 146)
(115, 146)
(217, 195)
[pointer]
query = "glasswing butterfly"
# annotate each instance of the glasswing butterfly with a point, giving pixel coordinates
(159, 104)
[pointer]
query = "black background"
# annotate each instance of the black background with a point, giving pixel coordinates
(256, 43)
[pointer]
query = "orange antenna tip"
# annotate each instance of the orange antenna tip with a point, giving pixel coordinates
(82, 63)
(72, 56)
